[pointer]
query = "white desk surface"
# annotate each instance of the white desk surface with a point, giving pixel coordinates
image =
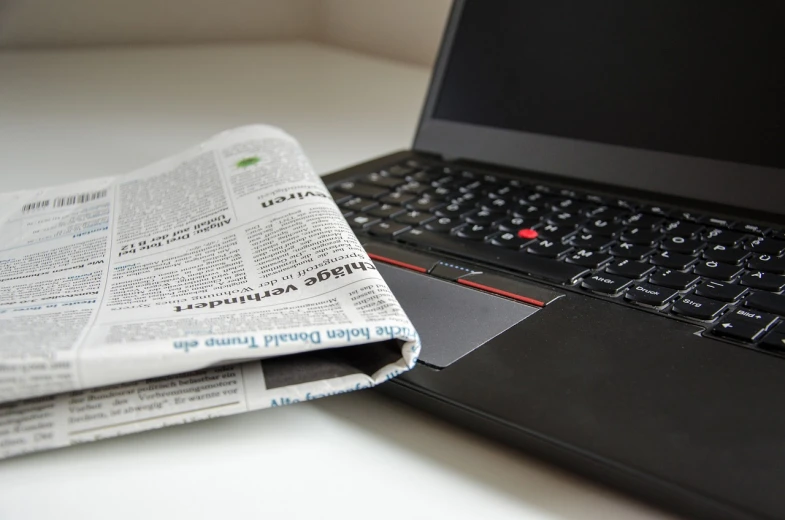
(72, 114)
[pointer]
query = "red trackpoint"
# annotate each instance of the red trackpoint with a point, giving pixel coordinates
(527, 233)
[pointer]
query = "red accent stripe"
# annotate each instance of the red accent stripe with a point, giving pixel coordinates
(398, 263)
(494, 290)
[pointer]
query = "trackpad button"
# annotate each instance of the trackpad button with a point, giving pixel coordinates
(451, 320)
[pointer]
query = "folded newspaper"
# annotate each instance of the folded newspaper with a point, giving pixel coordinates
(220, 280)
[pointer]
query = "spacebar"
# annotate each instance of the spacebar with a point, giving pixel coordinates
(535, 266)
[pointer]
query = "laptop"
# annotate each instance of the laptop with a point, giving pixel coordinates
(589, 235)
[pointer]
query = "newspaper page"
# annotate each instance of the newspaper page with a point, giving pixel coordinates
(220, 280)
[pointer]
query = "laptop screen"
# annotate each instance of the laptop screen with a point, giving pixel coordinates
(693, 79)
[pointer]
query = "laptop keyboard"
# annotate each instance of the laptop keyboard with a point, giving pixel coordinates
(728, 275)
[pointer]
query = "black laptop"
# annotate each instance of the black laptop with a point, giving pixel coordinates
(589, 235)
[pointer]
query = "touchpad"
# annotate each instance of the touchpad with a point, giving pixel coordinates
(451, 320)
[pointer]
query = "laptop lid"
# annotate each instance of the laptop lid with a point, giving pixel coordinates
(681, 97)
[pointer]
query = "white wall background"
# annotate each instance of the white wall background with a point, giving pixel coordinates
(405, 30)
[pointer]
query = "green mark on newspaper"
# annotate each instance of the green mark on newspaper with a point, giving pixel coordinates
(248, 161)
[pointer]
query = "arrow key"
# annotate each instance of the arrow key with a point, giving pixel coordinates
(774, 341)
(738, 329)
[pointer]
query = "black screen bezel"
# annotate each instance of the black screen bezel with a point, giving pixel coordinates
(758, 188)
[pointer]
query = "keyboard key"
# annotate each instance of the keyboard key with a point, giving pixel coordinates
(362, 221)
(631, 251)
(626, 204)
(400, 198)
(565, 218)
(738, 329)
(774, 341)
(441, 193)
(763, 280)
(383, 181)
(495, 204)
(386, 211)
(641, 236)
(719, 222)
(604, 227)
(596, 199)
(424, 204)
(555, 232)
(450, 182)
(686, 246)
(537, 198)
(767, 246)
(516, 223)
(549, 248)
(673, 279)
(644, 221)
(387, 229)
(398, 170)
(536, 266)
(504, 191)
(573, 206)
(767, 302)
(648, 294)
(606, 283)
(474, 231)
(750, 228)
(452, 210)
(528, 211)
(590, 259)
(724, 237)
(465, 198)
(762, 319)
(414, 187)
(656, 210)
(572, 194)
(630, 268)
(358, 204)
(443, 224)
(778, 234)
(688, 216)
(509, 240)
(673, 260)
(421, 176)
(339, 197)
(362, 190)
(681, 228)
(698, 308)
(474, 186)
(767, 263)
(483, 217)
(610, 213)
(718, 270)
(725, 254)
(590, 241)
(721, 291)
(414, 218)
